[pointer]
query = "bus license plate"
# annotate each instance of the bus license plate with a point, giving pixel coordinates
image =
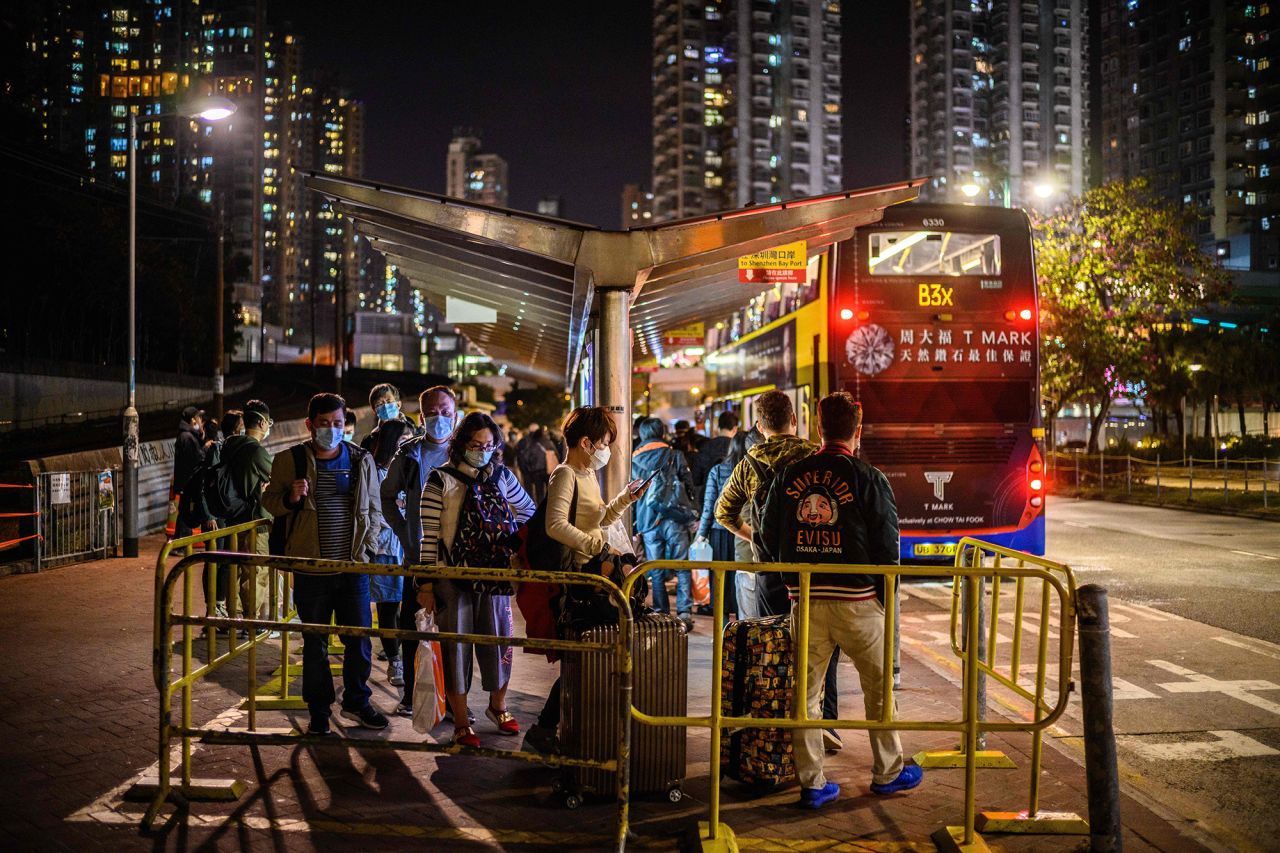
(935, 549)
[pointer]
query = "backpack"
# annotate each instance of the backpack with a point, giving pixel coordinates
(485, 527)
(764, 479)
(279, 536)
(210, 493)
(670, 494)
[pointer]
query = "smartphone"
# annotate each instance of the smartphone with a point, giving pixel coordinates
(644, 483)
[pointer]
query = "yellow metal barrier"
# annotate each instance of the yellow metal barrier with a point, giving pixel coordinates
(167, 620)
(716, 836)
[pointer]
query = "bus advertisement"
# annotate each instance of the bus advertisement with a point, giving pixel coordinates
(929, 319)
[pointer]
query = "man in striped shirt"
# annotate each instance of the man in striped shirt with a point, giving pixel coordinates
(325, 492)
(832, 507)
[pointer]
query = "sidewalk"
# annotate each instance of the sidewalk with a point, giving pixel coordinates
(75, 656)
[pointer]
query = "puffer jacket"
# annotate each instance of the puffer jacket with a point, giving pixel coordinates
(717, 477)
(303, 521)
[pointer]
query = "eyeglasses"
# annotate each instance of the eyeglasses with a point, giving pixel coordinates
(483, 448)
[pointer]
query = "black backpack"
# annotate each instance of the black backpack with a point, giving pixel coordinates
(485, 527)
(764, 479)
(210, 493)
(670, 494)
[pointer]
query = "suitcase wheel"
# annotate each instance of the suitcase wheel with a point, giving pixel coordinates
(675, 794)
(572, 801)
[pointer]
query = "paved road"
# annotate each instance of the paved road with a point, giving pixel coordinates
(1194, 604)
(1220, 570)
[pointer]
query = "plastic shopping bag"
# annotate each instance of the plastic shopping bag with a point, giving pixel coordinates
(428, 688)
(700, 551)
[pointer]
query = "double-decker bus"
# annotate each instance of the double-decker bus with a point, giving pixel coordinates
(929, 319)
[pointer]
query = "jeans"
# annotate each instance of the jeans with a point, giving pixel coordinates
(345, 599)
(669, 541)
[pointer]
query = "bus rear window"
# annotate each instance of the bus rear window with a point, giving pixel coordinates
(1007, 402)
(917, 253)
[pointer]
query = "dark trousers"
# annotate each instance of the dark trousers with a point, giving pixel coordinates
(389, 617)
(345, 599)
(408, 607)
(221, 573)
(550, 716)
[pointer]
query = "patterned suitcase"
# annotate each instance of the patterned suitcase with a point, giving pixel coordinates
(588, 720)
(757, 679)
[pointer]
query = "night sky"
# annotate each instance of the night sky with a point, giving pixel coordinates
(559, 89)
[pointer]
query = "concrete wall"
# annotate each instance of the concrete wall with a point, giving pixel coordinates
(32, 399)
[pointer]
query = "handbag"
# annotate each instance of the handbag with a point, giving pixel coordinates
(585, 607)
(428, 688)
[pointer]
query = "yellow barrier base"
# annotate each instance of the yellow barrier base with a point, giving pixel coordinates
(724, 842)
(1042, 823)
(948, 840)
(295, 669)
(199, 791)
(953, 759)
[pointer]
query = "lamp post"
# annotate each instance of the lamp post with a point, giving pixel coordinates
(210, 109)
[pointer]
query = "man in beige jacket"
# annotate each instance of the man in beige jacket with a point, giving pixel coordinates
(325, 494)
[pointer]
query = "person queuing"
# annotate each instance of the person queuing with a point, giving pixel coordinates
(232, 424)
(576, 518)
(387, 591)
(384, 399)
(663, 517)
(713, 451)
(188, 453)
(349, 424)
(537, 456)
(713, 532)
(333, 513)
(470, 509)
(831, 507)
(249, 466)
(400, 496)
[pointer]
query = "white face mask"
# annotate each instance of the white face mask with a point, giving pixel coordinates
(600, 458)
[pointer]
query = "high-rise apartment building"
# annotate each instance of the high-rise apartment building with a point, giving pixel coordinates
(473, 175)
(746, 103)
(1190, 99)
(999, 99)
(637, 206)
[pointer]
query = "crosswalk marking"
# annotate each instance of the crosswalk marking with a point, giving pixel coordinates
(1228, 745)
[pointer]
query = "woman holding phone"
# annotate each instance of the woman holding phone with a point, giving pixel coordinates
(574, 490)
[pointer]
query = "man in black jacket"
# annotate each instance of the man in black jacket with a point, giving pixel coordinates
(188, 453)
(831, 507)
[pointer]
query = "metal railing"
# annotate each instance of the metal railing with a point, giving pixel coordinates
(968, 576)
(1233, 483)
(76, 516)
(166, 621)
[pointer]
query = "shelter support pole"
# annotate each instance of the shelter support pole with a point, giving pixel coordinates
(1102, 777)
(614, 380)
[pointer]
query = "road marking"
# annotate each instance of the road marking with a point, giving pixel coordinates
(1254, 554)
(1247, 646)
(1143, 611)
(1228, 745)
(1198, 683)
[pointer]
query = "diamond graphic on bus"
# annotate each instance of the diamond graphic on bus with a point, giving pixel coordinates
(939, 479)
(869, 349)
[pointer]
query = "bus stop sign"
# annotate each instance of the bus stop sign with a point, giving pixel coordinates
(787, 264)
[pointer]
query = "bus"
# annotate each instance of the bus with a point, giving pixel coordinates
(929, 319)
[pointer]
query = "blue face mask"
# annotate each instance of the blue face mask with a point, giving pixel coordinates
(327, 438)
(438, 427)
(387, 411)
(478, 458)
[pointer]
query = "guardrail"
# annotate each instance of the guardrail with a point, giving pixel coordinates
(166, 621)
(1237, 483)
(75, 515)
(1056, 578)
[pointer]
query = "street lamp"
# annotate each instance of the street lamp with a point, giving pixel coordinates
(209, 109)
(970, 189)
(1043, 189)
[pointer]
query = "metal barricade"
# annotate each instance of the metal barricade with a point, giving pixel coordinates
(76, 517)
(166, 621)
(716, 836)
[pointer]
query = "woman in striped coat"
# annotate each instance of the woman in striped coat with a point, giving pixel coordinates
(469, 509)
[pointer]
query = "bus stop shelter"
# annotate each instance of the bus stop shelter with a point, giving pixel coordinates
(555, 285)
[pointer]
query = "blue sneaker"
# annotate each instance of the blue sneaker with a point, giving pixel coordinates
(816, 798)
(910, 776)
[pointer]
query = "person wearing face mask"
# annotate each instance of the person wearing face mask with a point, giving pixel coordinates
(470, 509)
(349, 425)
(400, 496)
(249, 466)
(384, 399)
(574, 490)
(332, 512)
(663, 518)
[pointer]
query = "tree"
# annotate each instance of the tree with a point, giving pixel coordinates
(543, 406)
(1113, 264)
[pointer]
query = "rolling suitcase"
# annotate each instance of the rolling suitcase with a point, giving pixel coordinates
(757, 679)
(588, 710)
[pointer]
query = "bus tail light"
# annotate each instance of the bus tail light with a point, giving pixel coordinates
(1025, 313)
(846, 313)
(1037, 485)
(863, 315)
(1037, 502)
(1011, 315)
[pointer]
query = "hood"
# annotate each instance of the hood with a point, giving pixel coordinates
(646, 458)
(780, 450)
(234, 443)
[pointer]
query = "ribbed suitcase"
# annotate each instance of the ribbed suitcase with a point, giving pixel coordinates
(758, 680)
(588, 716)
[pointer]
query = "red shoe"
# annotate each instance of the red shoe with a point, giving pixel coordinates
(506, 723)
(466, 736)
